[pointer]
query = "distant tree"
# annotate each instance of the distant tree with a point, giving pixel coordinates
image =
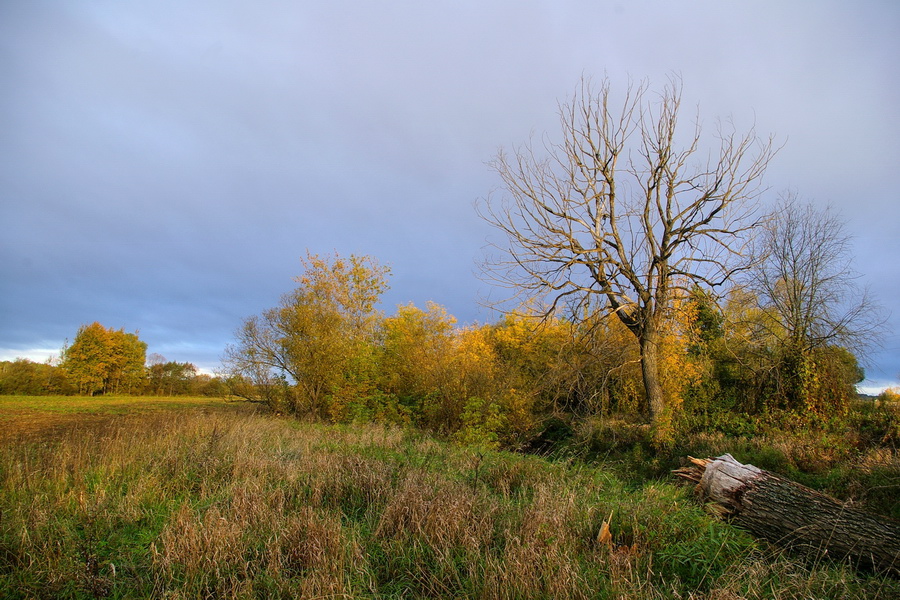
(622, 211)
(26, 377)
(127, 367)
(810, 298)
(807, 283)
(317, 346)
(103, 361)
(170, 378)
(208, 385)
(88, 359)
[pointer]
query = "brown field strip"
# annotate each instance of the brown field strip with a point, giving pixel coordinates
(38, 418)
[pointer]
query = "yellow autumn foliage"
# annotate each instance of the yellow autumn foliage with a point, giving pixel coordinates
(891, 394)
(678, 368)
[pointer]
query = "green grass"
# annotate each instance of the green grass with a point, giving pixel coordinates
(219, 502)
(856, 460)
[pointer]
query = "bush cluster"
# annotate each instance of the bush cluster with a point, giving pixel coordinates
(326, 352)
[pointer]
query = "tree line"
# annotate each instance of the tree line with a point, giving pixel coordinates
(643, 280)
(326, 353)
(101, 361)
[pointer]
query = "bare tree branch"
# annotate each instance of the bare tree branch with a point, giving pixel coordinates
(806, 281)
(624, 210)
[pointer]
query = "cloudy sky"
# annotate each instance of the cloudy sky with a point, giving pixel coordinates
(165, 164)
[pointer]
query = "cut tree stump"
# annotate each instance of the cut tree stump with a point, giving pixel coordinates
(791, 515)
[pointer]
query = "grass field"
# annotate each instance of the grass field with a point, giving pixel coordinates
(24, 416)
(195, 498)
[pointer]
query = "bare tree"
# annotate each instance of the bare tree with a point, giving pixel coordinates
(805, 277)
(623, 211)
(805, 282)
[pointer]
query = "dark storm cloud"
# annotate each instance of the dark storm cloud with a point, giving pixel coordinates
(163, 165)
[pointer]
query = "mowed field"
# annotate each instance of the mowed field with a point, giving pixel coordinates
(198, 498)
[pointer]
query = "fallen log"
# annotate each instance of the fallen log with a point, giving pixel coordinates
(791, 515)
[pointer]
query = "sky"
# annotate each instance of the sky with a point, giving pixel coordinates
(164, 165)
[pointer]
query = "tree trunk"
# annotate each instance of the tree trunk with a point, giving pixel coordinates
(789, 514)
(660, 419)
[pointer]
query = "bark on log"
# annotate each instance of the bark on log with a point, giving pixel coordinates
(791, 515)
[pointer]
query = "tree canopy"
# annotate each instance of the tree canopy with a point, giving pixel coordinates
(102, 360)
(317, 342)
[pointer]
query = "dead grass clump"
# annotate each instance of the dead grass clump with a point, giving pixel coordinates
(879, 458)
(352, 484)
(811, 454)
(256, 505)
(537, 570)
(515, 477)
(776, 576)
(548, 518)
(542, 550)
(311, 540)
(442, 514)
(202, 551)
(433, 536)
(315, 555)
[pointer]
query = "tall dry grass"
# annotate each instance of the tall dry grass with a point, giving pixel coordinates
(216, 505)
